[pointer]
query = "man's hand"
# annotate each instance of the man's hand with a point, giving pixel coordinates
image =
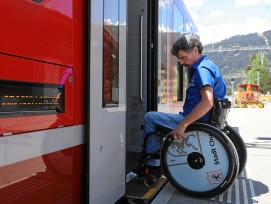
(178, 131)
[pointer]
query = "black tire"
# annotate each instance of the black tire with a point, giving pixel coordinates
(240, 146)
(207, 164)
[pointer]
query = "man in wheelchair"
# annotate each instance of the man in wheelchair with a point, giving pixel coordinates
(205, 86)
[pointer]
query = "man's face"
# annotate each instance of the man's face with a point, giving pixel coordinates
(186, 58)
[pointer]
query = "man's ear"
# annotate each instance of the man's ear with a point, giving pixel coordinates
(195, 49)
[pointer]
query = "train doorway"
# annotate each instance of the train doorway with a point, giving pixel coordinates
(155, 80)
(141, 87)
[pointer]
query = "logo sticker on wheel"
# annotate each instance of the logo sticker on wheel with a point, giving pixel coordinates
(215, 177)
(184, 146)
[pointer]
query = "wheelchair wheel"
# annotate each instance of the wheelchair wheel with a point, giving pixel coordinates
(202, 164)
(239, 144)
(237, 141)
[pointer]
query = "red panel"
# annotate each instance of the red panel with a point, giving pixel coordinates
(80, 42)
(51, 178)
(41, 31)
(52, 31)
(18, 69)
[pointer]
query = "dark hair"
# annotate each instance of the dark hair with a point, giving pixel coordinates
(186, 43)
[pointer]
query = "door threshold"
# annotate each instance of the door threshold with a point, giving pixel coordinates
(138, 192)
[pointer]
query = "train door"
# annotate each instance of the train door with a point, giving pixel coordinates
(107, 101)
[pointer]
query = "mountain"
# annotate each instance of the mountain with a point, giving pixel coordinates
(232, 63)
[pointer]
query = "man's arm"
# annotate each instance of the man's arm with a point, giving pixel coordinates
(200, 110)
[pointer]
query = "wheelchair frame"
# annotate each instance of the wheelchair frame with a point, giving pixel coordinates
(218, 125)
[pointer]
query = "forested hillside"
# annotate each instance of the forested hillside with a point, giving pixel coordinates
(234, 63)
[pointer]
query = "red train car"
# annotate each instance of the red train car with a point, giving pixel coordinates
(70, 114)
(42, 104)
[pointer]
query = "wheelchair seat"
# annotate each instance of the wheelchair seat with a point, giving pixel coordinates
(160, 129)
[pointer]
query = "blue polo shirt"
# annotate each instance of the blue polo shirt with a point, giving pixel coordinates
(205, 73)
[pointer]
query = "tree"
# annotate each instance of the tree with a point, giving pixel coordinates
(259, 65)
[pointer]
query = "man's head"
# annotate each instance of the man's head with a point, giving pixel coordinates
(188, 49)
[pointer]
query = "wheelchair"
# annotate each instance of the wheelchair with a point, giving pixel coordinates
(206, 161)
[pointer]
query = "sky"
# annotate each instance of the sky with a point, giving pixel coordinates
(217, 20)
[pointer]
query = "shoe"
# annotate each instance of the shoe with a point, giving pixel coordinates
(155, 170)
(142, 171)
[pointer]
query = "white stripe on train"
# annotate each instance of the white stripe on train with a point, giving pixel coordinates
(20, 147)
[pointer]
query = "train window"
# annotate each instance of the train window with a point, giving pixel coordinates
(26, 98)
(254, 88)
(170, 85)
(172, 78)
(242, 88)
(111, 53)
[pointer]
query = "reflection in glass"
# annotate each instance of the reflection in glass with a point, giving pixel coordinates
(173, 19)
(111, 53)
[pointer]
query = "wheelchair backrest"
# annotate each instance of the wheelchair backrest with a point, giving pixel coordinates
(219, 113)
